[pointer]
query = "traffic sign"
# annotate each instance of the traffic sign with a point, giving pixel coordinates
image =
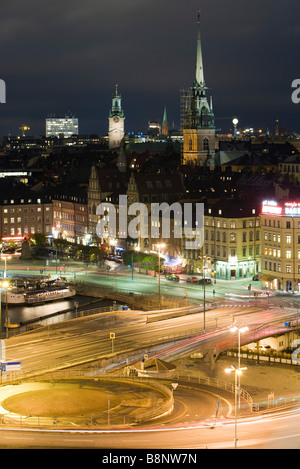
(112, 335)
(11, 366)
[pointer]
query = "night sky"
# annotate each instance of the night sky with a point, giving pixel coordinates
(63, 55)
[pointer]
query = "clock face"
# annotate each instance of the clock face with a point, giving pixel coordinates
(116, 119)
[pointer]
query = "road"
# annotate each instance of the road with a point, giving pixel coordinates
(81, 339)
(56, 346)
(272, 432)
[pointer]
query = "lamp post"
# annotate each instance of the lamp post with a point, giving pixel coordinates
(239, 330)
(5, 285)
(5, 265)
(0, 312)
(237, 372)
(159, 246)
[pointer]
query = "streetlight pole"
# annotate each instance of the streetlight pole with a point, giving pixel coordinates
(5, 265)
(237, 372)
(1, 312)
(239, 330)
(159, 246)
(6, 285)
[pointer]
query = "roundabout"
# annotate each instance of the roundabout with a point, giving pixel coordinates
(109, 403)
(84, 402)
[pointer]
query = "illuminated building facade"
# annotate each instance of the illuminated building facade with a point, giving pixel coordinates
(23, 216)
(70, 220)
(61, 126)
(231, 248)
(280, 233)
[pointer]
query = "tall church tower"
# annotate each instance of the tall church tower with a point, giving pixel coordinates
(165, 127)
(116, 120)
(199, 133)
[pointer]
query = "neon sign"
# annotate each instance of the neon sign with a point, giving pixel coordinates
(271, 207)
(292, 209)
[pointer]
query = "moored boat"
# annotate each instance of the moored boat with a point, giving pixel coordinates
(36, 296)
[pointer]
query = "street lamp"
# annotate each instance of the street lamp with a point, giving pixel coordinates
(239, 330)
(5, 285)
(237, 373)
(159, 246)
(5, 266)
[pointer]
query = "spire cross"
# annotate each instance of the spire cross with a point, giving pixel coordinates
(198, 15)
(117, 89)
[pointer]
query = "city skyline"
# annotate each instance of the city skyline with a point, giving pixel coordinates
(71, 56)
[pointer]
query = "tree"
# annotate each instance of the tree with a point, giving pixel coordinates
(144, 260)
(38, 239)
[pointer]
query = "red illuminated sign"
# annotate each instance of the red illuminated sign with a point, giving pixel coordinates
(271, 207)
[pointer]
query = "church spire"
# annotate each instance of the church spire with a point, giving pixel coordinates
(165, 128)
(199, 77)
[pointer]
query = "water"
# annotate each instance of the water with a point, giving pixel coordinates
(26, 314)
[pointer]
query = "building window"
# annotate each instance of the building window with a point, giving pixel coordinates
(288, 239)
(288, 254)
(288, 269)
(205, 144)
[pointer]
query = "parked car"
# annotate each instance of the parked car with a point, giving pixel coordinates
(255, 277)
(192, 280)
(173, 277)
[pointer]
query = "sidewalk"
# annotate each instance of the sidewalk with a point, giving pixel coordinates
(260, 381)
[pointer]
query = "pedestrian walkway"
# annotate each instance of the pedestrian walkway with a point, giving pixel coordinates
(266, 383)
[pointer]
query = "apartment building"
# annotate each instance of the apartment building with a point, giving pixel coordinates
(280, 244)
(23, 213)
(231, 244)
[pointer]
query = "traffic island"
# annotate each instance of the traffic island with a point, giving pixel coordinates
(84, 403)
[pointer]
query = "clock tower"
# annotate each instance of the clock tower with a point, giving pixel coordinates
(116, 120)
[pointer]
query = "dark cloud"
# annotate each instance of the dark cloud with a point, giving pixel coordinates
(68, 55)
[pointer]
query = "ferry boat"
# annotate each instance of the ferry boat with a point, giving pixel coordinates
(37, 296)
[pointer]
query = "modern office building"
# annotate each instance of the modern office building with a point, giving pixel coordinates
(61, 126)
